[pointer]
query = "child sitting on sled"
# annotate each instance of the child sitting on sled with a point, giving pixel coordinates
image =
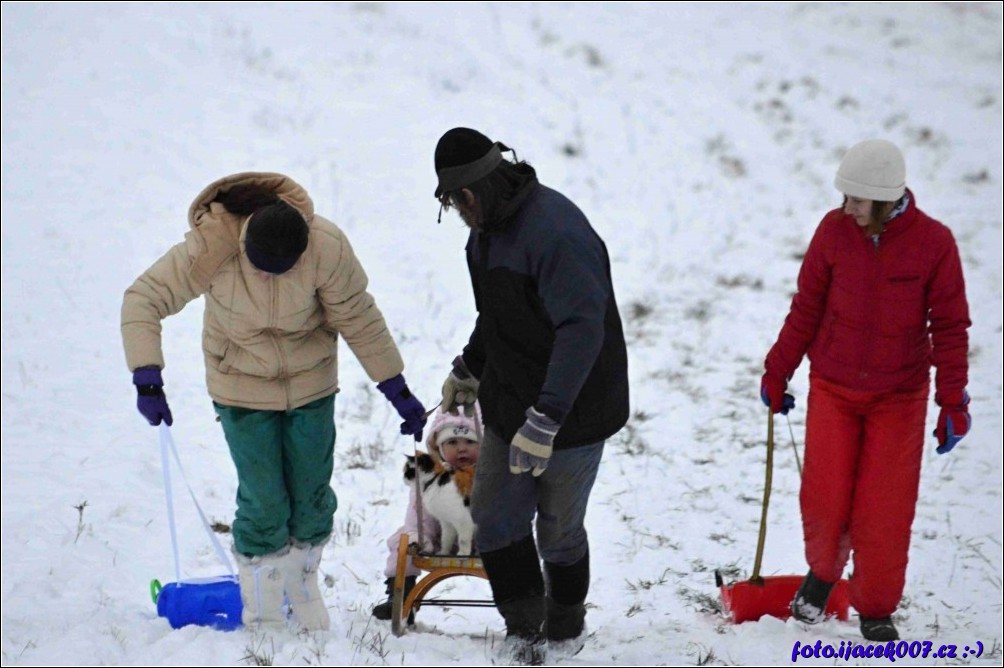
(453, 442)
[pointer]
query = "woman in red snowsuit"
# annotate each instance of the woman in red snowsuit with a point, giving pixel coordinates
(880, 299)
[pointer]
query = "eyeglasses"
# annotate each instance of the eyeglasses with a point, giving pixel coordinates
(445, 202)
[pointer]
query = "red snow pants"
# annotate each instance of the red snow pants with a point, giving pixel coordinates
(859, 488)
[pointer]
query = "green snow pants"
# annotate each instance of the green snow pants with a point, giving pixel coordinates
(284, 462)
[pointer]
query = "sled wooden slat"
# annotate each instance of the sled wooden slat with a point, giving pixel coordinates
(439, 567)
(431, 561)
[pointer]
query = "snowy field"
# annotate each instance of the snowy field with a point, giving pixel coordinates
(700, 140)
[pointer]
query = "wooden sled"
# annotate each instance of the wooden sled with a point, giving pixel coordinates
(439, 567)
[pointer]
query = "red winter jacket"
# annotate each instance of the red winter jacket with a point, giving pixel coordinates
(875, 316)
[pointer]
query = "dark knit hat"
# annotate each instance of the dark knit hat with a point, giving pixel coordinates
(276, 237)
(464, 156)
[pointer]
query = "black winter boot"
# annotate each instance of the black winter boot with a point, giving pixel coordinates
(385, 610)
(878, 629)
(566, 629)
(809, 604)
(525, 637)
(518, 589)
(567, 587)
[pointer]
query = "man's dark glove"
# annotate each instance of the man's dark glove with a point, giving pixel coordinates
(772, 393)
(460, 388)
(150, 400)
(408, 407)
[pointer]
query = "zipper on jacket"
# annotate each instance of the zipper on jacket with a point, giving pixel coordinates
(273, 319)
(875, 274)
(484, 250)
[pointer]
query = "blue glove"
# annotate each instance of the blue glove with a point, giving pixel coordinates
(151, 402)
(773, 395)
(408, 407)
(532, 445)
(954, 422)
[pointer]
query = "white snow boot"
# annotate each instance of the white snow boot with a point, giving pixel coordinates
(301, 575)
(262, 591)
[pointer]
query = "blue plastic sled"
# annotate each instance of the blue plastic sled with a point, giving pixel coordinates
(213, 602)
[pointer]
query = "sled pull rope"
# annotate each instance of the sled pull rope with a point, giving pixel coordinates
(798, 462)
(418, 488)
(766, 497)
(167, 444)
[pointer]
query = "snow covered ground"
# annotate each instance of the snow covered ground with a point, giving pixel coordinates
(701, 141)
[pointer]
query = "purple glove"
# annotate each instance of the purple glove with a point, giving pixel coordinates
(151, 401)
(531, 446)
(407, 406)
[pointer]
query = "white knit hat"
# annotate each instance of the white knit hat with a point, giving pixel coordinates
(873, 169)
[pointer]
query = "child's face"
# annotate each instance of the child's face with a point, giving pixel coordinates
(459, 452)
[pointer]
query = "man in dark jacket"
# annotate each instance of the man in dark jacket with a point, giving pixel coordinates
(547, 360)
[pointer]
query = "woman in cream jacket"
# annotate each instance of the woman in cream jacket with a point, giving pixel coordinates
(281, 284)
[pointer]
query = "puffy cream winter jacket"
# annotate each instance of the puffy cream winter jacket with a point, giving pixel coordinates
(270, 342)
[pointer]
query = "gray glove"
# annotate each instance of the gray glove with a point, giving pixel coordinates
(460, 388)
(531, 446)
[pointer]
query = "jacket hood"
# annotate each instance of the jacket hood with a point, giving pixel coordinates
(501, 214)
(284, 187)
(218, 231)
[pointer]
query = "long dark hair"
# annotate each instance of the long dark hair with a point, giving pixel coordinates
(878, 215)
(499, 194)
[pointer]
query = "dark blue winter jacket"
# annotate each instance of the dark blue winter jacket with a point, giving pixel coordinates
(548, 332)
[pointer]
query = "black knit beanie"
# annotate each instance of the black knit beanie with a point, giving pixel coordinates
(276, 237)
(464, 156)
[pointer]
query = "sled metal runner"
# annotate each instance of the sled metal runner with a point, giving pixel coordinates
(439, 567)
(750, 600)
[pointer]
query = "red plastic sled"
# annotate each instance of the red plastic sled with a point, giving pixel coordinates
(750, 600)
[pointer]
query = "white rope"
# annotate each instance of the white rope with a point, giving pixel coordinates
(165, 463)
(167, 442)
